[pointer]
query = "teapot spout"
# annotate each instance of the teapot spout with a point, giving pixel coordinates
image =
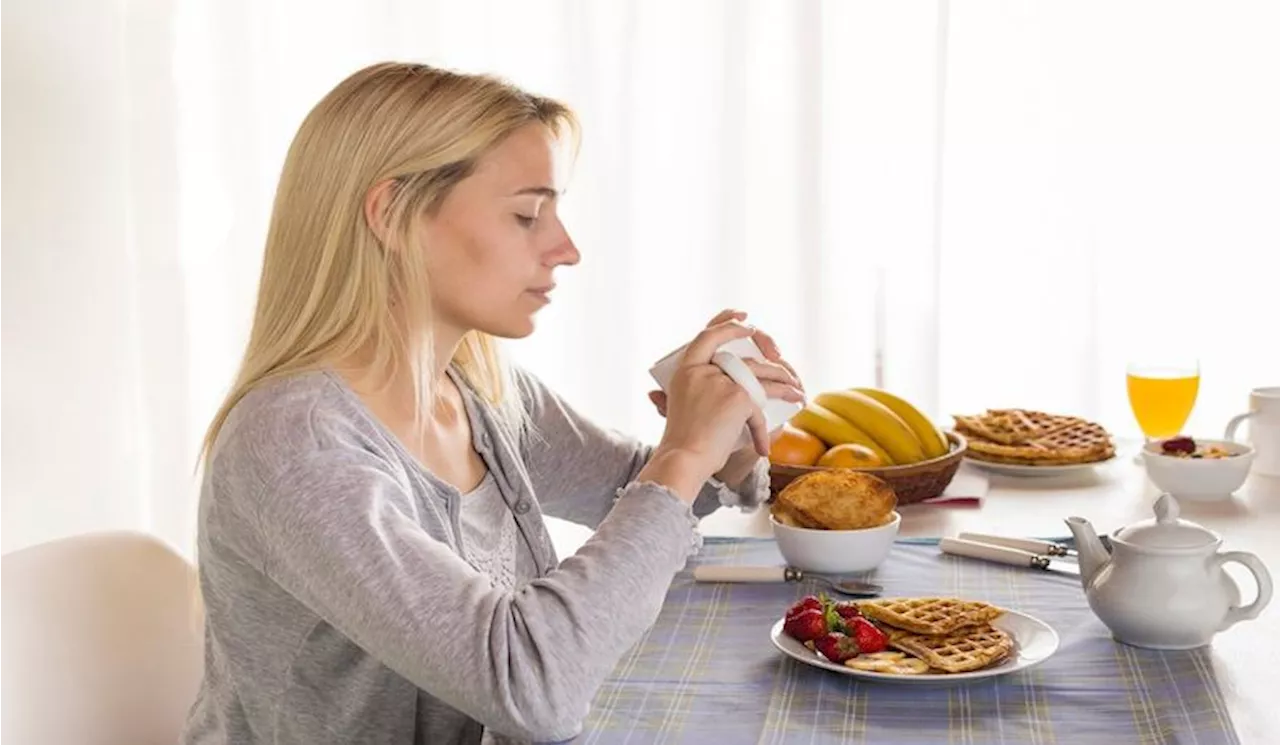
(1093, 555)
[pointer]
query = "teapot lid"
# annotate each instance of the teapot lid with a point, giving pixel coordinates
(1166, 530)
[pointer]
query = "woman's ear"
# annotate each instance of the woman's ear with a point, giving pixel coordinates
(377, 201)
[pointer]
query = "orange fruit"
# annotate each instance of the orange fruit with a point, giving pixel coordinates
(850, 455)
(795, 447)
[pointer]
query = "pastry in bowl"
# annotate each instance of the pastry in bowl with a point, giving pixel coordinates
(835, 500)
(835, 521)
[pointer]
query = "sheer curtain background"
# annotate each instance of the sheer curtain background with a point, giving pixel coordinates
(977, 205)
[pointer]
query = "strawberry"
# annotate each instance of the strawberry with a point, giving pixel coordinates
(807, 625)
(809, 602)
(848, 611)
(838, 647)
(870, 639)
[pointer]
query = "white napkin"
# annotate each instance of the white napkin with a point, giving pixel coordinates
(969, 488)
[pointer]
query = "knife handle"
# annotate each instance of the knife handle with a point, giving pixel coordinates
(1045, 548)
(740, 574)
(1001, 554)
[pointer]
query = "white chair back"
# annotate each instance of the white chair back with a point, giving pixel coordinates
(102, 642)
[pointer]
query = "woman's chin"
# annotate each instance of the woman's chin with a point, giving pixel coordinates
(515, 328)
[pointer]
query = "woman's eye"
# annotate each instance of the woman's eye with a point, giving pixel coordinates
(526, 221)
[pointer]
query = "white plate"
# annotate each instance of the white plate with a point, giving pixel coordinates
(1034, 641)
(1015, 469)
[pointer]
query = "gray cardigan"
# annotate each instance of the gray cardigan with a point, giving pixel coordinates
(338, 608)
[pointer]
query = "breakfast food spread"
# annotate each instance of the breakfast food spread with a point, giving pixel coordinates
(835, 500)
(901, 636)
(1185, 447)
(1034, 438)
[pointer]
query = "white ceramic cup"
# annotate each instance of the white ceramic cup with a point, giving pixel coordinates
(1264, 429)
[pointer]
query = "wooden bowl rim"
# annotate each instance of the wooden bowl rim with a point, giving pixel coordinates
(959, 446)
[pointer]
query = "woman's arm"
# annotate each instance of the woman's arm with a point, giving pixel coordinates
(589, 463)
(337, 531)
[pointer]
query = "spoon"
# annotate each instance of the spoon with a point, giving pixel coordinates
(844, 586)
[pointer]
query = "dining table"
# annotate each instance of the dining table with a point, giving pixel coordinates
(1230, 687)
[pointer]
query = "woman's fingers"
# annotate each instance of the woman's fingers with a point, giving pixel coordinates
(767, 345)
(784, 391)
(727, 315)
(771, 352)
(759, 433)
(765, 370)
(705, 344)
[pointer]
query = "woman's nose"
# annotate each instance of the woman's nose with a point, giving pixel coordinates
(564, 252)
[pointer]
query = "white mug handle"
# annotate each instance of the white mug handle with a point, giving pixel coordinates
(1235, 423)
(735, 368)
(1260, 575)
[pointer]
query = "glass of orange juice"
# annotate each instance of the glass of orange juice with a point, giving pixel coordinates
(1162, 393)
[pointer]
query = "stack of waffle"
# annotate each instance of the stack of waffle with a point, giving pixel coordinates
(1034, 438)
(948, 634)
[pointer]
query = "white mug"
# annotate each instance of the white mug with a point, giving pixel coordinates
(1264, 429)
(729, 359)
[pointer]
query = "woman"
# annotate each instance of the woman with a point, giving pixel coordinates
(373, 560)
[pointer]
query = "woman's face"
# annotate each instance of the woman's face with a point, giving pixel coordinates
(494, 243)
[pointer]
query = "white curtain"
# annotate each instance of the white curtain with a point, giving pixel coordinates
(974, 204)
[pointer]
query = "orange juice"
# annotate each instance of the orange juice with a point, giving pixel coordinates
(1162, 400)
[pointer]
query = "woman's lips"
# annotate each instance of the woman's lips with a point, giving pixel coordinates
(542, 293)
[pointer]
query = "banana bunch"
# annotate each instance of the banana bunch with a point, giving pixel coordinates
(897, 432)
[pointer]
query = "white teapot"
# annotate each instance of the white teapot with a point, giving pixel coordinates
(1162, 585)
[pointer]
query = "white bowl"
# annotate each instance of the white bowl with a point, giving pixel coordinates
(1199, 479)
(835, 551)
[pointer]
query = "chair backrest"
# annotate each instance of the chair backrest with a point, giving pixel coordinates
(102, 641)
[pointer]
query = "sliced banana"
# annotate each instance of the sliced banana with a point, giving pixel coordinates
(902, 665)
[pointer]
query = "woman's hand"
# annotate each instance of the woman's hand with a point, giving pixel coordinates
(776, 368)
(706, 409)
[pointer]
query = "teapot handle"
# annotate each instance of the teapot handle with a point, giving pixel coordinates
(1260, 574)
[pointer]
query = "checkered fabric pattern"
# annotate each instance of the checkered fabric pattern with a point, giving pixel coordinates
(706, 672)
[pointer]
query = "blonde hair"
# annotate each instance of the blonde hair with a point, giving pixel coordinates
(328, 282)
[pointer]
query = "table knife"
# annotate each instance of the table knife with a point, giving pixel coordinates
(1043, 548)
(1006, 555)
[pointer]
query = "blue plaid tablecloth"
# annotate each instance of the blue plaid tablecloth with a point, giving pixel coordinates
(706, 672)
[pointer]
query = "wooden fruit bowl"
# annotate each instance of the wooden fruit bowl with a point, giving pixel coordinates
(912, 483)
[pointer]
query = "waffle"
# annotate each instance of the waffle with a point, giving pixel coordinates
(960, 651)
(928, 615)
(1013, 426)
(1034, 438)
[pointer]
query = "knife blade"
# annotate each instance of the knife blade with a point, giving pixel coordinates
(1005, 555)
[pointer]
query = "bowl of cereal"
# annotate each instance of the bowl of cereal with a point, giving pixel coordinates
(1197, 470)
